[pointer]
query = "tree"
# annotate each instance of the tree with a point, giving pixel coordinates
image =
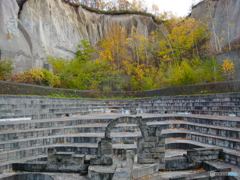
(228, 69)
(185, 39)
(80, 72)
(155, 9)
(115, 47)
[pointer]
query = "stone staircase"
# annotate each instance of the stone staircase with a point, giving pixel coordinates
(29, 140)
(44, 107)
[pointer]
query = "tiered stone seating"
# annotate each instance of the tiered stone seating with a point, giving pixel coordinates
(24, 141)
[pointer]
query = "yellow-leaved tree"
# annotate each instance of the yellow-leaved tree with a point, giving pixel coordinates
(228, 69)
(115, 46)
(185, 39)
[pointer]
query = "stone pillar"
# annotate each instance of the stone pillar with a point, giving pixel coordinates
(105, 153)
(151, 149)
(124, 169)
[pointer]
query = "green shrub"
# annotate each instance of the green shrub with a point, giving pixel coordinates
(37, 76)
(6, 67)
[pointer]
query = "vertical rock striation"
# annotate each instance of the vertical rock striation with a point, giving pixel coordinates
(15, 40)
(60, 27)
(225, 16)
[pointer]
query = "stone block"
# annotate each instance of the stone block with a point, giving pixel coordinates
(124, 155)
(152, 156)
(101, 172)
(159, 144)
(144, 170)
(193, 153)
(161, 140)
(214, 157)
(204, 158)
(162, 158)
(158, 150)
(156, 156)
(147, 150)
(151, 139)
(161, 166)
(104, 160)
(146, 161)
(106, 146)
(149, 145)
(130, 155)
(206, 153)
(178, 178)
(122, 174)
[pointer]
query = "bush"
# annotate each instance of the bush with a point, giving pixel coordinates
(6, 67)
(193, 72)
(37, 76)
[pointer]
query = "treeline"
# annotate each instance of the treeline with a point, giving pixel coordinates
(113, 5)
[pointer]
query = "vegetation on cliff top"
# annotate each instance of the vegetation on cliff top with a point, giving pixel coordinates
(119, 7)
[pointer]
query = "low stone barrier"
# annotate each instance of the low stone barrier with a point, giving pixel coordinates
(12, 88)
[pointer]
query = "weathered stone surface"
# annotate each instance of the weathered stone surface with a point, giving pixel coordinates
(133, 110)
(222, 14)
(146, 161)
(104, 160)
(124, 170)
(60, 27)
(64, 162)
(149, 144)
(23, 47)
(106, 146)
(151, 139)
(158, 150)
(101, 172)
(197, 155)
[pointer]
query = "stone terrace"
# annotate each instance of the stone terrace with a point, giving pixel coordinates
(43, 107)
(28, 140)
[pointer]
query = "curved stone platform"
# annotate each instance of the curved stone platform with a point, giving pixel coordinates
(28, 141)
(45, 107)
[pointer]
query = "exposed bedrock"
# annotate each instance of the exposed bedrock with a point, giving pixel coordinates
(60, 27)
(225, 17)
(16, 42)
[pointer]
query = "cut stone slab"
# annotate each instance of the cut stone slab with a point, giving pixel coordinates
(140, 170)
(45, 176)
(96, 172)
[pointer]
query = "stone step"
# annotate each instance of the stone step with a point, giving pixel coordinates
(117, 138)
(231, 156)
(39, 107)
(216, 166)
(206, 130)
(106, 118)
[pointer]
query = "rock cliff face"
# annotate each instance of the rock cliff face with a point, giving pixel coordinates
(225, 15)
(15, 40)
(60, 27)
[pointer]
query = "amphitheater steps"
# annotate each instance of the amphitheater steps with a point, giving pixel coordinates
(34, 137)
(231, 156)
(208, 130)
(40, 107)
(117, 138)
(205, 133)
(106, 118)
